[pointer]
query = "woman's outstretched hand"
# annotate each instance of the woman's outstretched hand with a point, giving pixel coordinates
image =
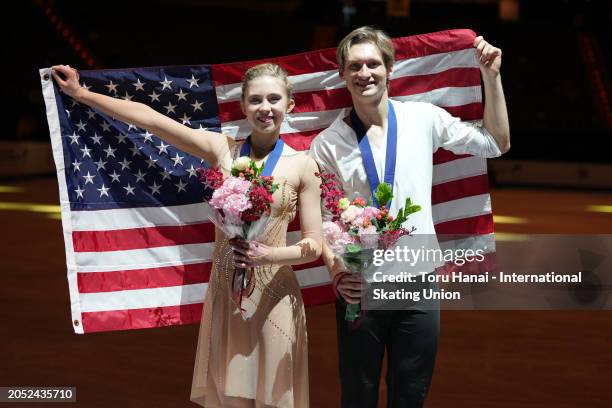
(70, 85)
(248, 254)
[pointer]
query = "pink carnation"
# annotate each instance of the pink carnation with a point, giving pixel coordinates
(232, 185)
(336, 236)
(368, 237)
(237, 185)
(232, 198)
(234, 206)
(370, 212)
(349, 215)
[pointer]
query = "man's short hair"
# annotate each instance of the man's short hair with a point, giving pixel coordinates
(366, 34)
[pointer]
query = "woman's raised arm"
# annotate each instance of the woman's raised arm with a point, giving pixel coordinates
(208, 145)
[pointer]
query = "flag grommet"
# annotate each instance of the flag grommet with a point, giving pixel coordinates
(76, 323)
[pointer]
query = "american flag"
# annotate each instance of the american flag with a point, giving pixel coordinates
(137, 237)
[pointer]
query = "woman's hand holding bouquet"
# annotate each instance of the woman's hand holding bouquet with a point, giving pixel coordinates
(241, 206)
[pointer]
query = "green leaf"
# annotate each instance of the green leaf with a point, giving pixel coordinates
(404, 213)
(412, 209)
(257, 169)
(383, 194)
(379, 224)
(353, 248)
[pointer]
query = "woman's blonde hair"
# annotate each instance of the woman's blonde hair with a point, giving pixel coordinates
(270, 69)
(366, 34)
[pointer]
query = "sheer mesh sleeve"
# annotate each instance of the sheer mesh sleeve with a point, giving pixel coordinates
(308, 248)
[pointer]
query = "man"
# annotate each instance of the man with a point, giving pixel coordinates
(414, 130)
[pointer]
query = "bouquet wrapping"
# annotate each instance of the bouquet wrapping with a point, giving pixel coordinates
(241, 205)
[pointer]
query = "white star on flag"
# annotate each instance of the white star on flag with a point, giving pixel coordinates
(81, 125)
(86, 152)
(178, 160)
(151, 162)
(192, 171)
(89, 178)
(197, 105)
(165, 84)
(129, 190)
(77, 165)
(111, 87)
(147, 136)
(140, 176)
(115, 177)
(125, 164)
(193, 82)
(155, 188)
(74, 138)
(163, 148)
(109, 152)
(79, 192)
(96, 139)
(138, 85)
(170, 108)
(166, 174)
(180, 186)
(181, 95)
(121, 138)
(135, 150)
(100, 164)
(154, 96)
(103, 191)
(186, 119)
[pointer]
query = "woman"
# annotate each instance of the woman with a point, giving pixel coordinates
(256, 357)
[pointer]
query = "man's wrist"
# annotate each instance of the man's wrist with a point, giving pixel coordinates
(489, 76)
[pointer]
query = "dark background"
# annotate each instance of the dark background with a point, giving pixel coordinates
(555, 69)
(557, 82)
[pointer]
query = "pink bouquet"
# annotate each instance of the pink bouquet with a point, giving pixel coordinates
(357, 229)
(241, 206)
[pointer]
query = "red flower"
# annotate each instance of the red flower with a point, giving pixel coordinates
(260, 199)
(360, 202)
(331, 193)
(212, 177)
(389, 237)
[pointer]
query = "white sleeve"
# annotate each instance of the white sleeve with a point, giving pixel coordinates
(459, 137)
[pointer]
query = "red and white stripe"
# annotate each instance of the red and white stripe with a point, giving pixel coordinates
(149, 267)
